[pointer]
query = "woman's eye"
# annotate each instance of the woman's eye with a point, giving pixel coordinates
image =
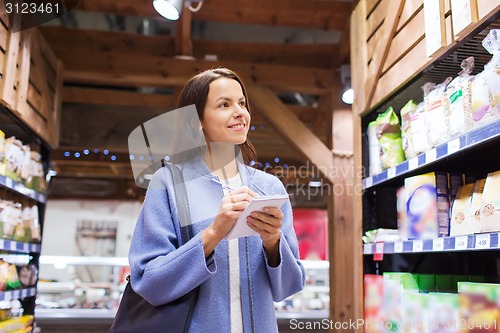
(243, 104)
(224, 105)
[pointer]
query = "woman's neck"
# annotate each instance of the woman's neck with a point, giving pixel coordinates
(221, 159)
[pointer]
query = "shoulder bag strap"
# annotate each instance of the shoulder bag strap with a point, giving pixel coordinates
(181, 201)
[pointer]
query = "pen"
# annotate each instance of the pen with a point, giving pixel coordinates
(224, 186)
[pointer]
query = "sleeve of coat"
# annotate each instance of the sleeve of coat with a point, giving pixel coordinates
(160, 270)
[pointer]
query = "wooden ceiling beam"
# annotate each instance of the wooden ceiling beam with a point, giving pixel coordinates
(324, 15)
(303, 55)
(85, 67)
(292, 130)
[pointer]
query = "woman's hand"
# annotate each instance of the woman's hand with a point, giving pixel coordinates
(230, 210)
(268, 225)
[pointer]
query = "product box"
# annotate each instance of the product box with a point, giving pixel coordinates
(392, 306)
(374, 294)
(444, 284)
(408, 281)
(401, 209)
(479, 307)
(427, 206)
(443, 313)
(455, 181)
(426, 283)
(490, 215)
(461, 205)
(473, 215)
(415, 313)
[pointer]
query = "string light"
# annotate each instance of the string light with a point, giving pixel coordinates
(276, 160)
(86, 151)
(113, 158)
(105, 152)
(77, 154)
(132, 157)
(67, 153)
(96, 151)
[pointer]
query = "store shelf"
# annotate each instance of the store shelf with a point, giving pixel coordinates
(483, 135)
(10, 245)
(17, 294)
(477, 242)
(21, 189)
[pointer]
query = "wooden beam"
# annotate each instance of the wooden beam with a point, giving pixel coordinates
(291, 129)
(345, 252)
(183, 32)
(302, 55)
(324, 15)
(116, 97)
(378, 60)
(134, 71)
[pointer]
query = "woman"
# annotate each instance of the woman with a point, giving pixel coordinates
(240, 278)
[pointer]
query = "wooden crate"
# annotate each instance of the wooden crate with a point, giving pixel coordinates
(394, 40)
(31, 79)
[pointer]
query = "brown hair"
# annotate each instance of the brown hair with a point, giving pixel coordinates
(196, 92)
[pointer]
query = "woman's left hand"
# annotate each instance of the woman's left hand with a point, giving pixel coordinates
(267, 224)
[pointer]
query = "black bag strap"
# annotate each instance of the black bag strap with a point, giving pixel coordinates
(181, 202)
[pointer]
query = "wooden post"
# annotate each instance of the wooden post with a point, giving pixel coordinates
(345, 252)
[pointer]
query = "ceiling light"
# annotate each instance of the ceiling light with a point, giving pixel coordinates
(348, 96)
(169, 9)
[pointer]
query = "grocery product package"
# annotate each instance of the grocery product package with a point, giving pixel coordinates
(443, 313)
(374, 149)
(459, 93)
(36, 179)
(458, 225)
(13, 158)
(427, 206)
(389, 138)
(419, 130)
(401, 209)
(426, 283)
(486, 85)
(391, 306)
(490, 215)
(2, 146)
(473, 214)
(415, 313)
(381, 235)
(10, 216)
(373, 297)
(478, 307)
(406, 131)
(437, 109)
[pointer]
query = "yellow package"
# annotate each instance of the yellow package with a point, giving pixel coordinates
(490, 217)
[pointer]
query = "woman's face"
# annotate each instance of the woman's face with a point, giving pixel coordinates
(226, 118)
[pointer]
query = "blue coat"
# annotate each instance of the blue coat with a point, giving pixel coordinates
(161, 271)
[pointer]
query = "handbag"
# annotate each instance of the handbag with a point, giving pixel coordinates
(135, 314)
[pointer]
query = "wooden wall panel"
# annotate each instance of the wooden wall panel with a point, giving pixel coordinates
(435, 29)
(411, 8)
(487, 7)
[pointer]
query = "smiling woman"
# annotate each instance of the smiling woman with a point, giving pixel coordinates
(238, 279)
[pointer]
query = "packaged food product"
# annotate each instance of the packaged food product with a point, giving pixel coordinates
(24, 170)
(391, 305)
(373, 296)
(406, 131)
(486, 85)
(443, 313)
(415, 313)
(2, 146)
(401, 209)
(437, 109)
(473, 215)
(478, 307)
(374, 149)
(13, 157)
(427, 206)
(381, 235)
(36, 179)
(419, 130)
(490, 215)
(35, 233)
(458, 225)
(10, 215)
(12, 278)
(389, 138)
(28, 275)
(459, 92)
(4, 273)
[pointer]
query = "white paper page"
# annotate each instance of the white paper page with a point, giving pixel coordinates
(241, 229)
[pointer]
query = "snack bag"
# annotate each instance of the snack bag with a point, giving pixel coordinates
(459, 92)
(490, 215)
(13, 157)
(419, 130)
(486, 85)
(374, 149)
(406, 131)
(389, 137)
(437, 109)
(2, 145)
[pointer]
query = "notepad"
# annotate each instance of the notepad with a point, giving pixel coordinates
(241, 229)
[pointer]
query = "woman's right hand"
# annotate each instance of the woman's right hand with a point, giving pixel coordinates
(230, 209)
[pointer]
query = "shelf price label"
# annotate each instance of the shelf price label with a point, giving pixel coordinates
(418, 245)
(413, 163)
(453, 146)
(398, 247)
(431, 156)
(12, 246)
(368, 182)
(438, 244)
(367, 248)
(24, 293)
(8, 182)
(26, 247)
(391, 172)
(378, 252)
(461, 243)
(483, 241)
